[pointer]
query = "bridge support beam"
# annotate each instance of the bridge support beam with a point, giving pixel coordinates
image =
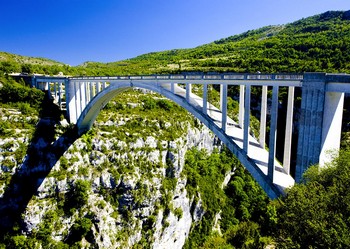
(289, 131)
(246, 123)
(55, 90)
(223, 105)
(241, 106)
(77, 99)
(273, 132)
(60, 95)
(71, 103)
(172, 87)
(205, 99)
(262, 133)
(331, 127)
(188, 92)
(92, 90)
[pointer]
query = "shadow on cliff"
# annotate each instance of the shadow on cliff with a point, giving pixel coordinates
(43, 153)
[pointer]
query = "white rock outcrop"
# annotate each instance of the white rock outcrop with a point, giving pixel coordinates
(137, 192)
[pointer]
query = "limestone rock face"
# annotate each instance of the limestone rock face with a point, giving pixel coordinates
(125, 200)
(135, 194)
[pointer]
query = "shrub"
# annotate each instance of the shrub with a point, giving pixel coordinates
(165, 104)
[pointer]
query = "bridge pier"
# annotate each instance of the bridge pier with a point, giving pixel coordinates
(241, 106)
(246, 116)
(273, 132)
(188, 92)
(71, 101)
(320, 123)
(263, 112)
(205, 99)
(91, 90)
(331, 127)
(289, 130)
(223, 105)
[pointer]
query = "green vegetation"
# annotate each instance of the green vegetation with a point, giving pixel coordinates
(27, 100)
(77, 197)
(316, 214)
(242, 204)
(147, 115)
(313, 214)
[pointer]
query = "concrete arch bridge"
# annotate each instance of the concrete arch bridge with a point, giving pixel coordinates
(319, 124)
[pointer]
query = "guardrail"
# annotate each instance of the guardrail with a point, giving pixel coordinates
(224, 76)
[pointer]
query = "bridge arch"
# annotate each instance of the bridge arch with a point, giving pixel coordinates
(91, 111)
(319, 123)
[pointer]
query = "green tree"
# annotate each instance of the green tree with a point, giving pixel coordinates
(316, 214)
(9, 67)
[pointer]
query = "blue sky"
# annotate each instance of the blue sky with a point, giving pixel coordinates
(75, 31)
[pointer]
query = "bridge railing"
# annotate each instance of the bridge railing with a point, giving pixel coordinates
(197, 76)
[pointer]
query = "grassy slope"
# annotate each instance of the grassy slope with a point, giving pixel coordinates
(4, 56)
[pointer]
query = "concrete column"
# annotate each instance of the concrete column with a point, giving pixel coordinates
(221, 96)
(87, 95)
(77, 100)
(246, 122)
(98, 87)
(331, 127)
(104, 85)
(262, 136)
(172, 87)
(188, 92)
(289, 130)
(310, 122)
(273, 132)
(223, 103)
(33, 82)
(47, 87)
(241, 106)
(87, 92)
(70, 100)
(60, 95)
(205, 99)
(82, 96)
(55, 90)
(91, 90)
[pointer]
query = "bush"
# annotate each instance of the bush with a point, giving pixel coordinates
(13, 92)
(149, 103)
(79, 230)
(25, 108)
(77, 196)
(165, 104)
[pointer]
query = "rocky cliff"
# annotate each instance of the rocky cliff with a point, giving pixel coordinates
(119, 185)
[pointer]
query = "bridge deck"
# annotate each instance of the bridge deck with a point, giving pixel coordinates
(259, 155)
